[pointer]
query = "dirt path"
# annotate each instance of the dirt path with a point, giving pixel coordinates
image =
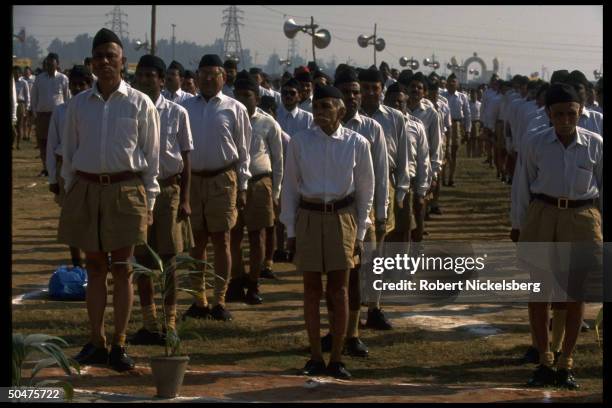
(454, 353)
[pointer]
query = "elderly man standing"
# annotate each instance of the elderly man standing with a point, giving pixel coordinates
(327, 195)
(220, 174)
(49, 90)
(110, 166)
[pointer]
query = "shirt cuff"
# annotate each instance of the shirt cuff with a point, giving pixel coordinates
(361, 233)
(290, 231)
(400, 195)
(151, 201)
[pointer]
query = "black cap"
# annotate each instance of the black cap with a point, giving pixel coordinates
(434, 75)
(53, 55)
(178, 66)
(151, 61)
(246, 82)
(244, 74)
(405, 77)
(190, 74)
(397, 87)
(347, 75)
(210, 60)
(292, 83)
(268, 103)
(105, 36)
(80, 71)
(383, 65)
(577, 77)
(321, 74)
(371, 75)
(255, 71)
(230, 64)
(561, 93)
(312, 66)
(326, 91)
(451, 77)
(421, 78)
(303, 76)
(559, 76)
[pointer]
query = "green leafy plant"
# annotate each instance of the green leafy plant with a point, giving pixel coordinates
(48, 345)
(161, 277)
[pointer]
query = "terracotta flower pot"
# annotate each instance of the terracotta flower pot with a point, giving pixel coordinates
(168, 373)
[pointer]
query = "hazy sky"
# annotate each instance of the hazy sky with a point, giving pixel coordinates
(524, 38)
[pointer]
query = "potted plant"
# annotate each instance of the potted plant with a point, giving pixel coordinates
(169, 369)
(48, 345)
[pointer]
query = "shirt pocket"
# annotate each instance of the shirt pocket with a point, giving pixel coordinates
(171, 135)
(582, 180)
(126, 133)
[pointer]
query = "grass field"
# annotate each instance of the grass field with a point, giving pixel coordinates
(435, 353)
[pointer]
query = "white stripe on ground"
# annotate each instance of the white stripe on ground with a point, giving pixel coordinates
(35, 294)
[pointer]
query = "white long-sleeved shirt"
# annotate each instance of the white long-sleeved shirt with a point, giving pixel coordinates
(112, 136)
(23, 92)
(221, 133)
(266, 150)
(374, 133)
(547, 167)
(13, 100)
(493, 112)
(49, 91)
(328, 168)
(293, 121)
(306, 105)
(179, 96)
(475, 110)
(399, 147)
(174, 138)
(420, 169)
(460, 108)
(431, 121)
(54, 140)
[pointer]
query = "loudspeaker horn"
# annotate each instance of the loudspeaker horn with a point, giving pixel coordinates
(380, 45)
(322, 38)
(291, 28)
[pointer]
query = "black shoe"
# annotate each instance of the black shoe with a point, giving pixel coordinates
(377, 320)
(235, 291)
(451, 184)
(280, 256)
(565, 379)
(43, 173)
(196, 312)
(532, 356)
(91, 354)
(326, 343)
(436, 210)
(119, 360)
(543, 376)
(252, 296)
(313, 368)
(220, 313)
(355, 347)
(584, 327)
(509, 181)
(147, 337)
(337, 369)
(267, 273)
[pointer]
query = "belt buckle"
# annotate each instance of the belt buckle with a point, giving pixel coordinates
(105, 179)
(561, 200)
(328, 207)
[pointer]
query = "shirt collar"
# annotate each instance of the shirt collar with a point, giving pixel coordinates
(581, 139)
(356, 117)
(218, 96)
(161, 102)
(293, 112)
(51, 76)
(123, 89)
(338, 134)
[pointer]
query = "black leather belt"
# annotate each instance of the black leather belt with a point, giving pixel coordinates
(457, 120)
(258, 177)
(169, 181)
(564, 203)
(108, 178)
(327, 207)
(213, 173)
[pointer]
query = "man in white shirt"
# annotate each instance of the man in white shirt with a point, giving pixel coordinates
(400, 152)
(30, 78)
(263, 192)
(190, 83)
(220, 172)
(258, 75)
(305, 78)
(560, 200)
(289, 115)
(49, 90)
(23, 103)
(327, 195)
(110, 166)
(474, 143)
(231, 69)
(80, 79)
(170, 233)
(173, 83)
(13, 110)
(462, 123)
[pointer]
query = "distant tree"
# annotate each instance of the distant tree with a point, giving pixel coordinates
(29, 49)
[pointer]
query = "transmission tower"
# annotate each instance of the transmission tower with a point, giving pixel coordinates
(291, 51)
(232, 47)
(117, 22)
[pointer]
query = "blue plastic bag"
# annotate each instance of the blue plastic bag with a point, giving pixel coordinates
(68, 283)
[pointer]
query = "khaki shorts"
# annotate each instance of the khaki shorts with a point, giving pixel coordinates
(104, 218)
(259, 211)
(167, 235)
(391, 208)
(325, 241)
(456, 134)
(213, 202)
